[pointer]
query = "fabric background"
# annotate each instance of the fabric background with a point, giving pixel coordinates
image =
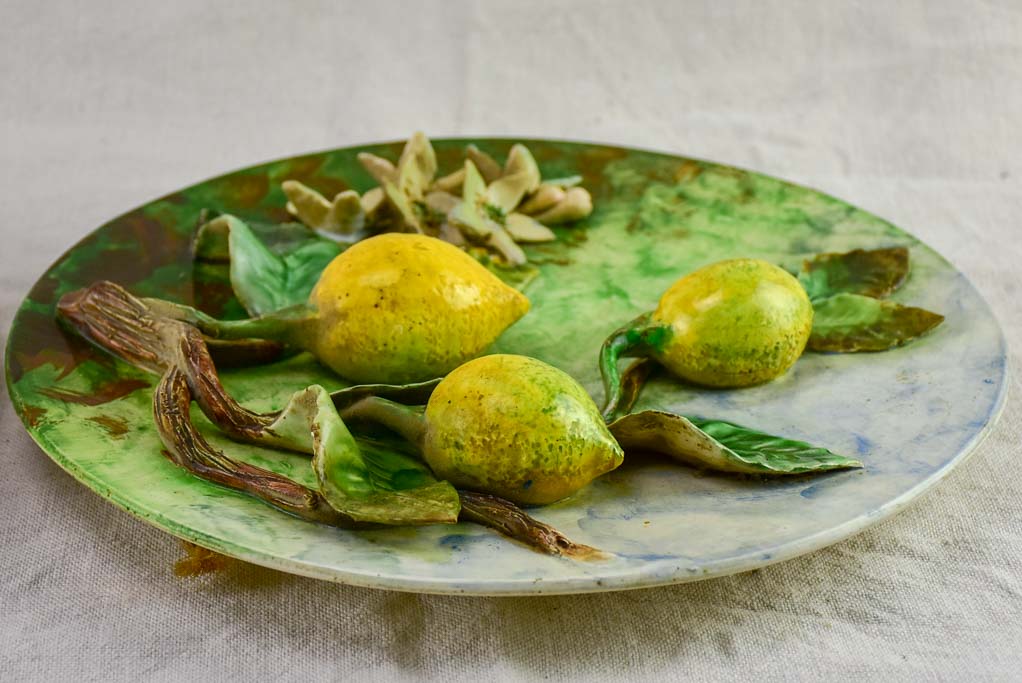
(911, 112)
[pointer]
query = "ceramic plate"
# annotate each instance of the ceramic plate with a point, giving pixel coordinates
(911, 414)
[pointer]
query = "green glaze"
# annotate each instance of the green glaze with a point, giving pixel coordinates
(655, 218)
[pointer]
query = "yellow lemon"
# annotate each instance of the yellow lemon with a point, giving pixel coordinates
(399, 308)
(733, 323)
(517, 428)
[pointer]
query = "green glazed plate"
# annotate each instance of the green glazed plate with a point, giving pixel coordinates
(911, 414)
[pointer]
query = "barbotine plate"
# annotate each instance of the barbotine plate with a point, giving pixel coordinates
(911, 414)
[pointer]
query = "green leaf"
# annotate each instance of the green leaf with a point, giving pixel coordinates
(722, 446)
(875, 273)
(633, 379)
(416, 393)
(850, 322)
(372, 482)
(266, 280)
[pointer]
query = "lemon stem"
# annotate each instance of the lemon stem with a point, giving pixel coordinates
(638, 338)
(288, 325)
(408, 421)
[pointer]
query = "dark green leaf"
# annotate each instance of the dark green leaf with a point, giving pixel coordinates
(722, 446)
(264, 280)
(633, 380)
(850, 322)
(414, 394)
(875, 273)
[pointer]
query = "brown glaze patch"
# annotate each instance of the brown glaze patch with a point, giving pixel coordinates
(139, 245)
(449, 159)
(175, 198)
(298, 168)
(104, 393)
(198, 561)
(114, 426)
(544, 153)
(243, 190)
(686, 171)
(211, 288)
(51, 346)
(145, 245)
(279, 214)
(327, 186)
(32, 415)
(591, 162)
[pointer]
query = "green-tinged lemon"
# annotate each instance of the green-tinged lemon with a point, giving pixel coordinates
(517, 428)
(733, 323)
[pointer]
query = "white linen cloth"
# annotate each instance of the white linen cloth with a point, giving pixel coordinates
(910, 110)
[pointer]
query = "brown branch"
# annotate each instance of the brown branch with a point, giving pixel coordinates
(186, 447)
(227, 414)
(511, 521)
(108, 316)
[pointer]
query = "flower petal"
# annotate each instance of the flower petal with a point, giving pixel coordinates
(486, 164)
(500, 241)
(576, 204)
(379, 168)
(520, 160)
(400, 201)
(542, 199)
(346, 216)
(524, 228)
(449, 233)
(564, 182)
(506, 192)
(450, 182)
(373, 200)
(416, 167)
(466, 216)
(309, 206)
(473, 189)
(441, 202)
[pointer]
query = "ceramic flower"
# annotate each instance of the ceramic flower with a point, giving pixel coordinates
(345, 215)
(482, 202)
